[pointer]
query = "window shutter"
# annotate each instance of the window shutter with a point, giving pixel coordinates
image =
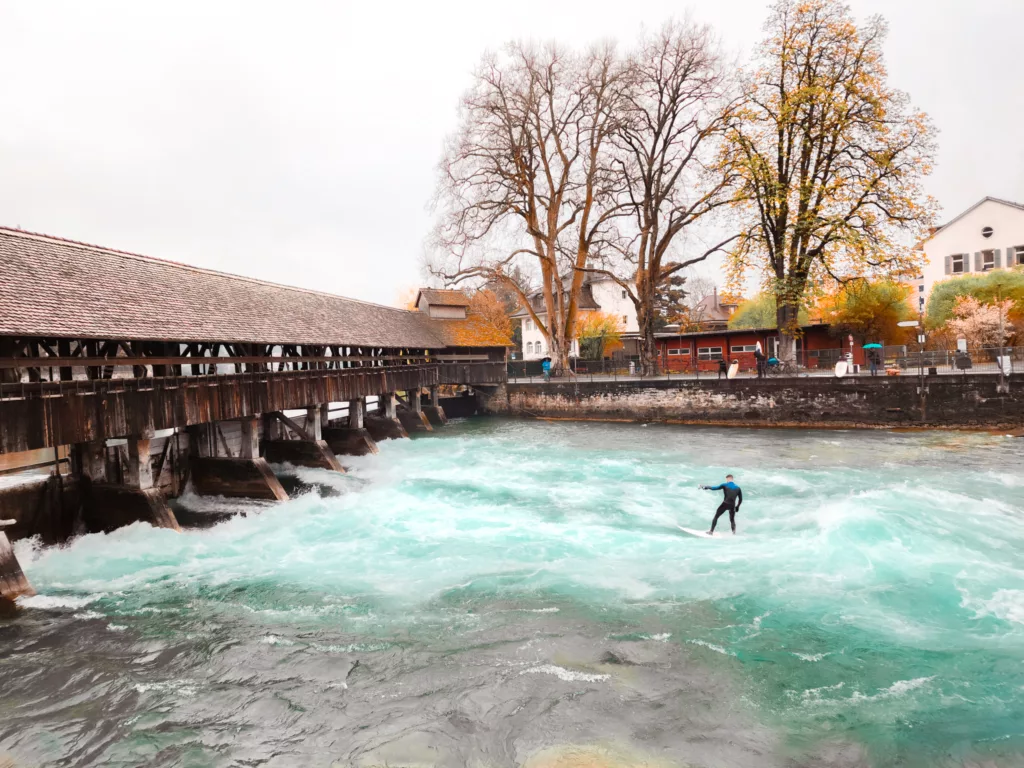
(949, 267)
(977, 261)
(998, 260)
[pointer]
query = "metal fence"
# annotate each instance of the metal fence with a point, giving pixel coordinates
(894, 361)
(984, 360)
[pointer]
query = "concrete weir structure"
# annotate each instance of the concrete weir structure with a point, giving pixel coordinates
(132, 378)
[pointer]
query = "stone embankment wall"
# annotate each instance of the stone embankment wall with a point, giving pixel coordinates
(976, 401)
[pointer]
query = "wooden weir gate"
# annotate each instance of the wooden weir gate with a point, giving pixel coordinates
(123, 424)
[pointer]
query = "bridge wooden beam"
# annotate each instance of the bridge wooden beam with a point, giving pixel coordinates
(46, 414)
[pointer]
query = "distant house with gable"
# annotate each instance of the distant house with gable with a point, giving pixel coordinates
(598, 294)
(713, 312)
(988, 235)
(464, 332)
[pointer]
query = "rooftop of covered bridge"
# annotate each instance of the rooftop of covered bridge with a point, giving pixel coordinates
(51, 287)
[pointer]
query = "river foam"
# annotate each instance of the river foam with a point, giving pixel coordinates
(875, 577)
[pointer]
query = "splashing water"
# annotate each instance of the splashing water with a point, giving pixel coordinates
(509, 593)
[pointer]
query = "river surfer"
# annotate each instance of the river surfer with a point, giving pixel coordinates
(731, 503)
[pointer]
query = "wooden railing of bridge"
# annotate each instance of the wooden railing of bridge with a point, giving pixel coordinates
(75, 398)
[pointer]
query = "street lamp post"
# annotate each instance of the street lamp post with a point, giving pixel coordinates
(920, 360)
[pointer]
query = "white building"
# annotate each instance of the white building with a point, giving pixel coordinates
(988, 235)
(598, 295)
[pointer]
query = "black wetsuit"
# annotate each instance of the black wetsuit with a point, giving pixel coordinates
(732, 502)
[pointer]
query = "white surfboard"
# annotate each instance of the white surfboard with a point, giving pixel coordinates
(841, 369)
(733, 369)
(698, 534)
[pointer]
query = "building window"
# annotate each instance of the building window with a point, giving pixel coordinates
(920, 289)
(988, 260)
(986, 231)
(623, 293)
(920, 302)
(1018, 257)
(709, 353)
(529, 347)
(673, 352)
(625, 318)
(743, 348)
(957, 263)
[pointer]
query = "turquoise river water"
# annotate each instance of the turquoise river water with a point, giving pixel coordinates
(505, 593)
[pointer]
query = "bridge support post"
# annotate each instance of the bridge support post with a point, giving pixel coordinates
(13, 583)
(356, 413)
(352, 439)
(140, 464)
(313, 422)
(247, 476)
(108, 506)
(384, 425)
(413, 418)
(89, 461)
(433, 411)
(250, 448)
(308, 449)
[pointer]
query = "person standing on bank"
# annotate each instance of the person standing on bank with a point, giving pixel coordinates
(760, 358)
(545, 367)
(731, 503)
(723, 368)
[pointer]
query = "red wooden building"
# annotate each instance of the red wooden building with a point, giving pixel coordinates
(816, 348)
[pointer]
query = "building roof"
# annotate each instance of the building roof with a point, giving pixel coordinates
(714, 308)
(730, 331)
(587, 301)
(61, 288)
(986, 199)
(473, 331)
(443, 298)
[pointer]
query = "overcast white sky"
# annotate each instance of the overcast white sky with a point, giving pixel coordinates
(297, 142)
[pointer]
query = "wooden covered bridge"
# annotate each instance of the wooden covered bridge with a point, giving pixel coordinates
(132, 377)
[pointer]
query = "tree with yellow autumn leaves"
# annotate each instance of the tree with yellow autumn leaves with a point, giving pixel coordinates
(598, 334)
(869, 310)
(831, 159)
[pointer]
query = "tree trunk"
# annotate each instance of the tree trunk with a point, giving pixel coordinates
(648, 347)
(558, 351)
(786, 316)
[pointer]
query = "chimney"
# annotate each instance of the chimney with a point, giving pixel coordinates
(716, 297)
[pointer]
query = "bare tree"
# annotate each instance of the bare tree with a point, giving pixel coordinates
(525, 182)
(678, 109)
(698, 288)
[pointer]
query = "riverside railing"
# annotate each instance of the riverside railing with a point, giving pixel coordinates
(895, 361)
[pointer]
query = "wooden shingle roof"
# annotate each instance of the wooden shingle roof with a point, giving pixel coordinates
(60, 288)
